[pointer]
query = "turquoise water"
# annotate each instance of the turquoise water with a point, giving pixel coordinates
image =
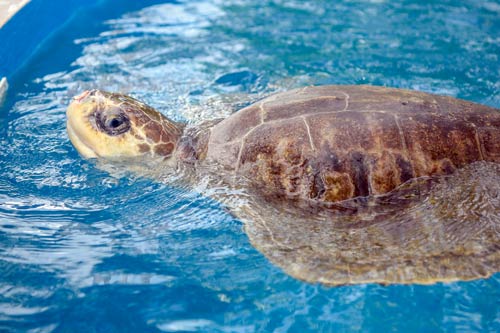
(84, 251)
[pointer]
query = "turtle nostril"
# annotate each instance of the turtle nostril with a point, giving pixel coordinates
(82, 96)
(85, 94)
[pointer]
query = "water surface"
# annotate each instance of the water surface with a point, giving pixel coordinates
(83, 251)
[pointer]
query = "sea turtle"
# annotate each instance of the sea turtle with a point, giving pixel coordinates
(345, 184)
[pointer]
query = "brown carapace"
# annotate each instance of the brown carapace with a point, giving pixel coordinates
(334, 143)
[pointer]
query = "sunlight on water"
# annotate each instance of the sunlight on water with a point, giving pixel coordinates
(82, 250)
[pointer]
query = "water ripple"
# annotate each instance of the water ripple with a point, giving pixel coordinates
(85, 250)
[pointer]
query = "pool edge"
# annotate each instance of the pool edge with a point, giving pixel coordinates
(48, 16)
(10, 9)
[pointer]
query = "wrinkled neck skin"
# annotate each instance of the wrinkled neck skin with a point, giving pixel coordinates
(193, 144)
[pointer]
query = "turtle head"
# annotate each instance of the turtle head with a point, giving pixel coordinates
(114, 126)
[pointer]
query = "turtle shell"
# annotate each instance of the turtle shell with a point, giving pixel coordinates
(353, 184)
(332, 143)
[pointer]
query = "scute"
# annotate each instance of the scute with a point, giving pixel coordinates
(278, 110)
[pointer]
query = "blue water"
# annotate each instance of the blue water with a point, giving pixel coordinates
(84, 251)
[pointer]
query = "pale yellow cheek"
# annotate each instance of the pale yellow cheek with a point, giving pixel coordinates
(91, 142)
(81, 147)
(116, 146)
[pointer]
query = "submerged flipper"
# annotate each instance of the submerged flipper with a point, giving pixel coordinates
(435, 229)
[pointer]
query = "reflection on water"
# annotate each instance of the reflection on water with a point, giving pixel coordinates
(82, 251)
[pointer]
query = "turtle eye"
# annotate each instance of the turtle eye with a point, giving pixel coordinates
(113, 122)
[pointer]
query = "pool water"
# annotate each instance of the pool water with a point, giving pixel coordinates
(85, 251)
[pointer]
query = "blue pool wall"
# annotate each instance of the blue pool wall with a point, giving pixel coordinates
(27, 29)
